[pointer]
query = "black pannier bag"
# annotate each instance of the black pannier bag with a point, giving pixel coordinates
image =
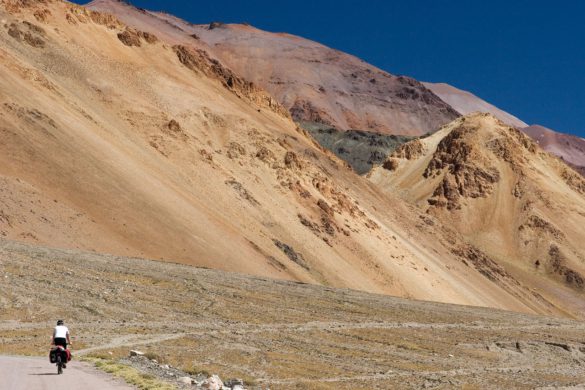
(53, 355)
(65, 357)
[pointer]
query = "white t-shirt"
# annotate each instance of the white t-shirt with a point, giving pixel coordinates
(61, 332)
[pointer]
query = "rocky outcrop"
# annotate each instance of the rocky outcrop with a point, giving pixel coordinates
(466, 173)
(28, 33)
(291, 253)
(481, 262)
(132, 37)
(291, 160)
(198, 60)
(305, 111)
(15, 6)
(573, 180)
(42, 15)
(410, 150)
(541, 226)
(214, 25)
(557, 263)
(84, 15)
(391, 164)
(129, 38)
(513, 147)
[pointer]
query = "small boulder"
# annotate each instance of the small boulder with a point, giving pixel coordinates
(323, 205)
(148, 37)
(136, 353)
(214, 25)
(390, 164)
(291, 160)
(212, 383)
(174, 126)
(234, 382)
(186, 380)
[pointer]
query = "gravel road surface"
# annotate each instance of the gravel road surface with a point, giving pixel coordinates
(23, 373)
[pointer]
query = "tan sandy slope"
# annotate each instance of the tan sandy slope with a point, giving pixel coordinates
(314, 82)
(142, 150)
(490, 182)
(466, 103)
(117, 141)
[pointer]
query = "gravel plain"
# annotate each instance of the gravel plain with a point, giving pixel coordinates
(272, 333)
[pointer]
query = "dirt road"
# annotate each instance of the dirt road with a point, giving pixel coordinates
(22, 373)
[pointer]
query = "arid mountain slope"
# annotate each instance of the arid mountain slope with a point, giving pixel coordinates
(331, 88)
(569, 147)
(114, 140)
(493, 184)
(316, 83)
(466, 103)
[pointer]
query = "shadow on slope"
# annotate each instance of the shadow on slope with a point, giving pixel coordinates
(362, 150)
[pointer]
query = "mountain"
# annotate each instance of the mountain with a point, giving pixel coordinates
(151, 192)
(118, 140)
(316, 83)
(466, 103)
(494, 185)
(115, 141)
(569, 147)
(327, 89)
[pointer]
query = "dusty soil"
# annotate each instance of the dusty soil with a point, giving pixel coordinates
(276, 333)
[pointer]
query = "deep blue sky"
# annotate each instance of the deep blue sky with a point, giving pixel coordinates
(526, 57)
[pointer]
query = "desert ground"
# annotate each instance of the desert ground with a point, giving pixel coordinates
(277, 334)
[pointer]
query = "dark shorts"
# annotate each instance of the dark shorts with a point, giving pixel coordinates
(61, 341)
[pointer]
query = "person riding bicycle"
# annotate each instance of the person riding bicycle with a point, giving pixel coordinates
(61, 336)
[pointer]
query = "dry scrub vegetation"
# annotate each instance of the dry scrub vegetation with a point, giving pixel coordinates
(130, 375)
